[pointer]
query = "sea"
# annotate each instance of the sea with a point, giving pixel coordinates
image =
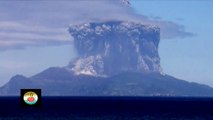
(109, 108)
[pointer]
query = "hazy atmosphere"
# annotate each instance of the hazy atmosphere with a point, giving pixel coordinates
(34, 34)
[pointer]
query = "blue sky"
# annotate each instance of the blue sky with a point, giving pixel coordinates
(34, 36)
(187, 58)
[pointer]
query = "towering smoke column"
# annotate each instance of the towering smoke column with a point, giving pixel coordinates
(109, 48)
(120, 51)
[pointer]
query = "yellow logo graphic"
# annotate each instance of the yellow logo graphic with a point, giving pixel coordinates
(30, 98)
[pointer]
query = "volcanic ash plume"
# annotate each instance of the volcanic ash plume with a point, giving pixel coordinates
(108, 48)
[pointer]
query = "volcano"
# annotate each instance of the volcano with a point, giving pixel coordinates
(115, 58)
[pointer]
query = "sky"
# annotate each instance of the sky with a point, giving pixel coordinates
(34, 34)
(187, 58)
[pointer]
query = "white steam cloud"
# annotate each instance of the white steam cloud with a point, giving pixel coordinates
(44, 23)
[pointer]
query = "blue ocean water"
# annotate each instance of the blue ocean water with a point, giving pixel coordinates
(110, 108)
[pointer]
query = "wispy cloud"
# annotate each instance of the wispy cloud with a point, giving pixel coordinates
(42, 23)
(14, 35)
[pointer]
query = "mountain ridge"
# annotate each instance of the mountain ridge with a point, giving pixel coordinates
(115, 58)
(123, 84)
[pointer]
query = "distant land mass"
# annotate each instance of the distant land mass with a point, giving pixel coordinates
(115, 58)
